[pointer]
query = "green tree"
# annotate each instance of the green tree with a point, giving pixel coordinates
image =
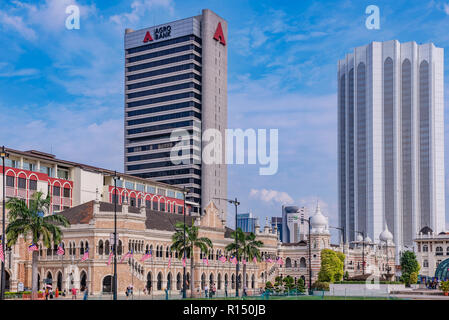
(248, 248)
(269, 286)
(409, 264)
(278, 284)
(289, 283)
(331, 266)
(32, 221)
(192, 242)
(300, 286)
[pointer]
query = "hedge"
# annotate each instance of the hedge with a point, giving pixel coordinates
(372, 282)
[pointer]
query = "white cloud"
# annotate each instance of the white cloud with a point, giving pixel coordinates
(271, 196)
(139, 10)
(17, 24)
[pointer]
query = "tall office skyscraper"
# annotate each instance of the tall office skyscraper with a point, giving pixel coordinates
(294, 228)
(391, 140)
(176, 78)
(246, 222)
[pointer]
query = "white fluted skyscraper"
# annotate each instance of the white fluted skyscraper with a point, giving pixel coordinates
(391, 140)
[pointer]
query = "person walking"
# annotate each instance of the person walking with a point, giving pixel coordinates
(73, 293)
(206, 290)
(86, 293)
(214, 289)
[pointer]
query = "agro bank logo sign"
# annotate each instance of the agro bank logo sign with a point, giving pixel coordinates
(158, 33)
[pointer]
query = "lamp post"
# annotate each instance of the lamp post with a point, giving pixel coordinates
(363, 250)
(236, 203)
(310, 254)
(3, 155)
(115, 236)
(184, 277)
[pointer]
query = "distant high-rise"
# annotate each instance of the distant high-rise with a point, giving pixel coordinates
(176, 78)
(391, 140)
(246, 222)
(276, 222)
(293, 228)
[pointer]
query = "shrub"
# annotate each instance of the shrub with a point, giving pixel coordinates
(444, 286)
(320, 286)
(413, 278)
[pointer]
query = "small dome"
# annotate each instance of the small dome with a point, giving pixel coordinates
(386, 235)
(368, 239)
(359, 237)
(426, 230)
(318, 221)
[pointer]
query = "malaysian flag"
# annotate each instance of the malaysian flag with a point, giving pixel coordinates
(146, 256)
(205, 261)
(269, 260)
(2, 255)
(85, 255)
(255, 260)
(222, 258)
(233, 260)
(32, 248)
(128, 255)
(244, 261)
(184, 262)
(110, 257)
(60, 251)
(280, 261)
(169, 261)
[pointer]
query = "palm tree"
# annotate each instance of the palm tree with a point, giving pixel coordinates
(248, 248)
(31, 221)
(192, 242)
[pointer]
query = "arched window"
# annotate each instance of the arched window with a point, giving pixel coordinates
(100, 247)
(296, 265)
(169, 280)
(167, 252)
(425, 264)
(447, 251)
(211, 279)
(219, 281)
(425, 248)
(302, 262)
(119, 248)
(106, 247)
(81, 248)
(288, 263)
(107, 284)
(149, 283)
(233, 281)
(178, 281)
(439, 251)
(253, 281)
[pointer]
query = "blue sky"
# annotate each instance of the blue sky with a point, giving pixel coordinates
(61, 91)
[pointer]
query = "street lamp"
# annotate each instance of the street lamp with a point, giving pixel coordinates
(185, 191)
(236, 203)
(363, 250)
(3, 155)
(115, 236)
(310, 254)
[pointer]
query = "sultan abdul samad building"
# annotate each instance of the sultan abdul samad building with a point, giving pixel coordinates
(147, 212)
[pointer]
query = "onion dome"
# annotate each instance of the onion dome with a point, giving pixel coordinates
(318, 222)
(386, 235)
(368, 240)
(359, 238)
(426, 230)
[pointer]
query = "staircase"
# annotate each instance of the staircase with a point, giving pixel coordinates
(273, 272)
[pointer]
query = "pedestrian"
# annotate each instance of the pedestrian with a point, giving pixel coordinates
(86, 293)
(166, 293)
(206, 290)
(144, 290)
(226, 289)
(73, 293)
(127, 292)
(46, 293)
(214, 289)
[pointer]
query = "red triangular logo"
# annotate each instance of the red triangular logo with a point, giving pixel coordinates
(219, 36)
(148, 37)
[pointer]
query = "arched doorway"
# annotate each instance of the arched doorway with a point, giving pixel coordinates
(169, 281)
(203, 281)
(83, 280)
(149, 283)
(107, 284)
(211, 279)
(49, 279)
(59, 281)
(39, 282)
(7, 281)
(178, 281)
(159, 281)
